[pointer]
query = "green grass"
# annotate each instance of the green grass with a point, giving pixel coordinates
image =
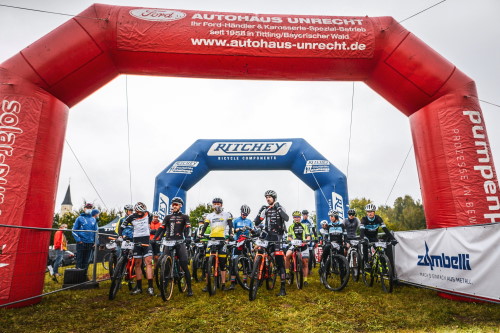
(314, 309)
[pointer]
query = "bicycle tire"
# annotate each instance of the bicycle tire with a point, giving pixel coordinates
(386, 274)
(212, 276)
(181, 279)
(354, 263)
(116, 279)
(166, 278)
(336, 273)
(105, 262)
(367, 275)
(299, 273)
(194, 266)
(243, 270)
(255, 278)
(156, 271)
(272, 273)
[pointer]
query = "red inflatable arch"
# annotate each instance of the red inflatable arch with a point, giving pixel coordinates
(39, 85)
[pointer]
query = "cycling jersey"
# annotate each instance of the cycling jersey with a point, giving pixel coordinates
(311, 226)
(139, 223)
(127, 231)
(351, 225)
(274, 220)
(370, 228)
(298, 231)
(336, 232)
(239, 223)
(174, 226)
(218, 224)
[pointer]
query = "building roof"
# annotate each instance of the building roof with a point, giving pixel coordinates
(67, 198)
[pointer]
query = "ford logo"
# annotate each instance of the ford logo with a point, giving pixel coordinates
(157, 14)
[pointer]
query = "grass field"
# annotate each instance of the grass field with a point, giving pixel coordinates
(314, 309)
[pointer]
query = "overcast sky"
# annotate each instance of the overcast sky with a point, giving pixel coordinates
(162, 110)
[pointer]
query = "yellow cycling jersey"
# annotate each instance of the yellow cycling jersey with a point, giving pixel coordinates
(218, 223)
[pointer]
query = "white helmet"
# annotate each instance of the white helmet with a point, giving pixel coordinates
(370, 207)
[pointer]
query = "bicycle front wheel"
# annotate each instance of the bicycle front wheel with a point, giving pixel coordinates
(181, 278)
(255, 278)
(299, 274)
(212, 276)
(336, 273)
(271, 273)
(194, 266)
(116, 279)
(386, 274)
(243, 269)
(354, 263)
(166, 278)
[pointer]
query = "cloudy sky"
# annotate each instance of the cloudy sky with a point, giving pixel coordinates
(162, 110)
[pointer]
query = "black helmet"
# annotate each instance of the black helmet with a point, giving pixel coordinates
(217, 200)
(178, 200)
(271, 193)
(245, 209)
(351, 212)
(305, 212)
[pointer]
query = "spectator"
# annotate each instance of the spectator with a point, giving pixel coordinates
(84, 240)
(60, 245)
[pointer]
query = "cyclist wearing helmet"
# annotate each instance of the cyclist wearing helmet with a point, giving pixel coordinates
(242, 226)
(299, 230)
(219, 220)
(336, 233)
(369, 228)
(175, 226)
(272, 217)
(128, 232)
(351, 226)
(314, 235)
(153, 227)
(142, 249)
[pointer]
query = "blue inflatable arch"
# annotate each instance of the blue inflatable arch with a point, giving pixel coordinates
(329, 183)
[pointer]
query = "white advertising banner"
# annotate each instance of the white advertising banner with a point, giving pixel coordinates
(464, 260)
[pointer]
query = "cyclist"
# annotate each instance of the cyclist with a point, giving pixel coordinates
(153, 228)
(128, 232)
(242, 226)
(369, 229)
(336, 233)
(314, 236)
(176, 227)
(218, 221)
(272, 218)
(299, 230)
(351, 225)
(142, 249)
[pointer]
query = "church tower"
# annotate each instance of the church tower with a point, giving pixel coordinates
(67, 206)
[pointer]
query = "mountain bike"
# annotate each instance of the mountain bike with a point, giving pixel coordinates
(171, 272)
(335, 269)
(378, 267)
(124, 269)
(354, 259)
(264, 268)
(110, 259)
(296, 272)
(243, 263)
(199, 261)
(214, 279)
